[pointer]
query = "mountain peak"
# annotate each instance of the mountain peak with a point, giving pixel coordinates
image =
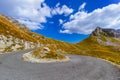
(97, 31)
(106, 32)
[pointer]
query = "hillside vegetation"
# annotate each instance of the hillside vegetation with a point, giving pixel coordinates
(12, 38)
(44, 41)
(102, 43)
(7, 28)
(44, 55)
(101, 46)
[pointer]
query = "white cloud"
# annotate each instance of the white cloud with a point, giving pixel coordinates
(31, 25)
(82, 6)
(84, 23)
(57, 5)
(32, 12)
(61, 21)
(35, 10)
(62, 10)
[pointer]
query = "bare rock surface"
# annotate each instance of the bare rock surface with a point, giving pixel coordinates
(12, 67)
(107, 32)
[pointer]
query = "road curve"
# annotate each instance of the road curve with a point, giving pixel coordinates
(12, 67)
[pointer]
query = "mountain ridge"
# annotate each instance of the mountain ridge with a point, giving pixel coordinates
(108, 32)
(102, 43)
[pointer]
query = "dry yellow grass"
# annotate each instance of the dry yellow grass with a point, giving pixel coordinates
(88, 47)
(91, 47)
(48, 55)
(7, 28)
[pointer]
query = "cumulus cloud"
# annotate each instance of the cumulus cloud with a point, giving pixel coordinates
(61, 21)
(31, 24)
(82, 6)
(83, 22)
(35, 10)
(32, 12)
(62, 10)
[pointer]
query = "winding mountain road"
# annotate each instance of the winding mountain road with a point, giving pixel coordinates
(12, 67)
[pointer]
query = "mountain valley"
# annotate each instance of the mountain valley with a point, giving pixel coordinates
(102, 43)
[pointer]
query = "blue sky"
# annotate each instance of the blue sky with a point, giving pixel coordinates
(66, 20)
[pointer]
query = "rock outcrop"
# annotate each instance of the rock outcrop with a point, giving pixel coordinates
(106, 32)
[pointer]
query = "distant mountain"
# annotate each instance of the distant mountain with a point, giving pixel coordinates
(102, 43)
(107, 32)
(107, 37)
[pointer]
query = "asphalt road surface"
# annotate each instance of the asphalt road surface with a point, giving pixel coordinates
(12, 67)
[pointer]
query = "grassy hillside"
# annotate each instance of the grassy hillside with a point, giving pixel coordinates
(44, 41)
(12, 38)
(91, 47)
(7, 28)
(54, 44)
(101, 44)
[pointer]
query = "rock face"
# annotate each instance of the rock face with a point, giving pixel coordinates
(106, 32)
(97, 31)
(107, 37)
(13, 38)
(46, 49)
(112, 32)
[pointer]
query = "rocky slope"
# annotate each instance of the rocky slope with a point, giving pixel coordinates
(107, 37)
(12, 38)
(15, 36)
(44, 41)
(107, 32)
